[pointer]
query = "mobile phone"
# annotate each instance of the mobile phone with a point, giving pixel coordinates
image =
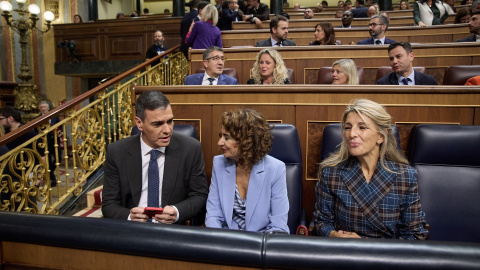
(152, 211)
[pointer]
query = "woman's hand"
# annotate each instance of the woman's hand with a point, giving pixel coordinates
(421, 24)
(343, 234)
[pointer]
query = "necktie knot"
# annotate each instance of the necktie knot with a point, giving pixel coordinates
(211, 80)
(405, 81)
(279, 44)
(154, 154)
(378, 42)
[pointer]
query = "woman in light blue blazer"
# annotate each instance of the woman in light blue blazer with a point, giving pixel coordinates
(248, 190)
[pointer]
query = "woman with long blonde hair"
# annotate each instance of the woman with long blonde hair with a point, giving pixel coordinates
(269, 68)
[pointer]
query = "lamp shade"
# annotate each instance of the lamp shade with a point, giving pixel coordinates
(48, 16)
(34, 9)
(5, 6)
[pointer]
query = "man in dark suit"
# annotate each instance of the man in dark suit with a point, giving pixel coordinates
(360, 10)
(474, 26)
(401, 59)
(213, 61)
(347, 19)
(377, 28)
(256, 13)
(229, 15)
(279, 32)
(185, 24)
(156, 168)
(157, 47)
(45, 106)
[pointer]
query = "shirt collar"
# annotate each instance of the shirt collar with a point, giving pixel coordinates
(381, 39)
(205, 76)
(274, 42)
(411, 77)
(145, 149)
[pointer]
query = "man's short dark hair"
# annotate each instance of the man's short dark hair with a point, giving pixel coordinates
(274, 22)
(150, 100)
(209, 50)
(405, 45)
(11, 111)
(202, 4)
(361, 2)
(383, 20)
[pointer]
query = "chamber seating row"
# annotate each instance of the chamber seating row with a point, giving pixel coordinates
(454, 75)
(57, 242)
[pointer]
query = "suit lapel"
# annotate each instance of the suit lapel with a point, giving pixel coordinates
(393, 78)
(366, 195)
(134, 157)
(221, 79)
(170, 170)
(228, 180)
(418, 78)
(199, 78)
(255, 187)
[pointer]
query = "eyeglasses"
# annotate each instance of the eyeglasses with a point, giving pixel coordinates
(217, 58)
(374, 24)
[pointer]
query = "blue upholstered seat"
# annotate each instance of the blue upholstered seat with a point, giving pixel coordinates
(286, 147)
(187, 130)
(447, 158)
(332, 138)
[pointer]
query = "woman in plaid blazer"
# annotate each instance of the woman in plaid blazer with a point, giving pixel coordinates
(367, 189)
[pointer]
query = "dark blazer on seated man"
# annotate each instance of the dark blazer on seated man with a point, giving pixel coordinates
(182, 187)
(197, 79)
(268, 43)
(371, 41)
(420, 79)
(468, 39)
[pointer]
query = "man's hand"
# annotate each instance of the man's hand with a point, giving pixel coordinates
(257, 22)
(421, 24)
(343, 234)
(136, 214)
(245, 17)
(168, 216)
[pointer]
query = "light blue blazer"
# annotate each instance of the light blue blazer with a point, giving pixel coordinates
(266, 202)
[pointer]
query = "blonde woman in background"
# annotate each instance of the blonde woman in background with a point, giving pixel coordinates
(344, 71)
(205, 33)
(269, 68)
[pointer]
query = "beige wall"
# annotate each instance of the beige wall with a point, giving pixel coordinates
(55, 85)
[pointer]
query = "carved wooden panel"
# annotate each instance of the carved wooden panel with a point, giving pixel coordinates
(125, 47)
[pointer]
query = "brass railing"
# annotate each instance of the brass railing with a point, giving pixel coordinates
(79, 139)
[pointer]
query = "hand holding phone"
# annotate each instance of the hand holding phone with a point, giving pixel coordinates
(152, 211)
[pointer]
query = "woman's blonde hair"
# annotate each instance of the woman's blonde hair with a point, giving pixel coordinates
(210, 12)
(349, 67)
(382, 120)
(279, 73)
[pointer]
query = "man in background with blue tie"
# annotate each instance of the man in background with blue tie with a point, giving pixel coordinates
(377, 28)
(213, 61)
(401, 59)
(157, 168)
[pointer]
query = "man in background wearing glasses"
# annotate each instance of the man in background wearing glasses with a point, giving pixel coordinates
(213, 60)
(377, 28)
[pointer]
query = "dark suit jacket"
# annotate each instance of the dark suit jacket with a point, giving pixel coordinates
(184, 26)
(360, 12)
(196, 79)
(268, 43)
(370, 41)
(228, 16)
(468, 39)
(263, 12)
(184, 180)
(420, 79)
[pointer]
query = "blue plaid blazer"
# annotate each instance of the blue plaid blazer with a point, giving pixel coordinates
(387, 207)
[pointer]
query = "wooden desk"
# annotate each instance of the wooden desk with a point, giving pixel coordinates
(303, 36)
(331, 14)
(311, 107)
(304, 23)
(306, 60)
